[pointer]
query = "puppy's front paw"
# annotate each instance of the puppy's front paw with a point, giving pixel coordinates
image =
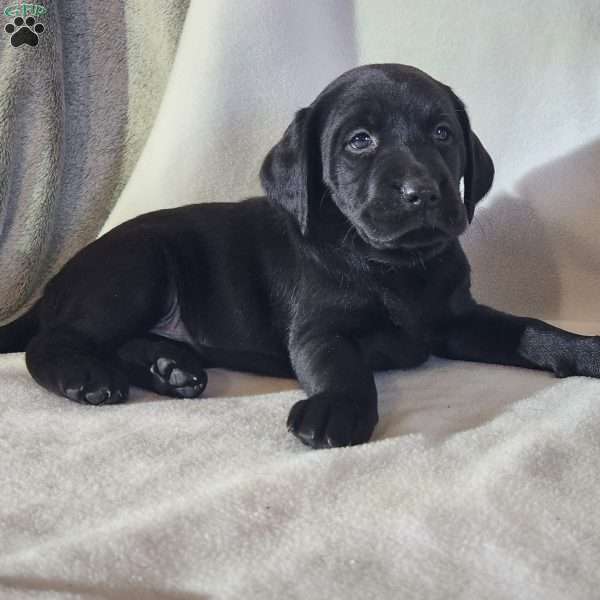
(580, 357)
(331, 420)
(585, 358)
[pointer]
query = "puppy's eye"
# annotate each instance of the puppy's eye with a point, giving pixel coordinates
(361, 140)
(442, 133)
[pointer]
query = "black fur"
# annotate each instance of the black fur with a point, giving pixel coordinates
(350, 264)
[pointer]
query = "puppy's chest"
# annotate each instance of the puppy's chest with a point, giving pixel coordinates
(371, 306)
(412, 302)
(406, 311)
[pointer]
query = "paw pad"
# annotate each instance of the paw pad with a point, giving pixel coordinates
(24, 31)
(96, 396)
(92, 383)
(172, 380)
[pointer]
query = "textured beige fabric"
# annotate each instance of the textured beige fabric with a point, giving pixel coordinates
(481, 482)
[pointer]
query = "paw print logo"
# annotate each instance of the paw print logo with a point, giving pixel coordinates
(24, 31)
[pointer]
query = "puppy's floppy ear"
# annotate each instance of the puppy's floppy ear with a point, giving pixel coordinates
(479, 168)
(291, 173)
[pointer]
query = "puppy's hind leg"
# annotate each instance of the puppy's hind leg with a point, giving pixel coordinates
(165, 366)
(113, 291)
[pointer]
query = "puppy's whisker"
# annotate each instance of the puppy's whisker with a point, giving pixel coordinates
(323, 196)
(350, 229)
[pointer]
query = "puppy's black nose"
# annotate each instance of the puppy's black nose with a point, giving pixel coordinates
(416, 192)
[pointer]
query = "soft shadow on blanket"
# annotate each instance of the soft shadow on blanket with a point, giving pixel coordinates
(436, 400)
(444, 397)
(228, 384)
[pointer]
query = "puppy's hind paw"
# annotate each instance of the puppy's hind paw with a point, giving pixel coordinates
(171, 379)
(88, 381)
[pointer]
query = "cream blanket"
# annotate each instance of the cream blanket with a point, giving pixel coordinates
(481, 482)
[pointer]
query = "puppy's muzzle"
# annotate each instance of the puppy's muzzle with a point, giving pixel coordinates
(417, 193)
(408, 212)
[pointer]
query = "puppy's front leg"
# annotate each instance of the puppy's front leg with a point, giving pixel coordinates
(486, 335)
(341, 409)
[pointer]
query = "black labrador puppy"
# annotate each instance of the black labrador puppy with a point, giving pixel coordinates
(349, 265)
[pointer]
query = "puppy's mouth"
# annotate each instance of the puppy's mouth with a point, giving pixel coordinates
(421, 237)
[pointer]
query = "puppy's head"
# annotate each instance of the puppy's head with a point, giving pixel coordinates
(381, 151)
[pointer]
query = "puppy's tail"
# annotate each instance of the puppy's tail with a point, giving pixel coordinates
(15, 336)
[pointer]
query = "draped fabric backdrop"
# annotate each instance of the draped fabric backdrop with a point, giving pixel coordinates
(75, 112)
(114, 108)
